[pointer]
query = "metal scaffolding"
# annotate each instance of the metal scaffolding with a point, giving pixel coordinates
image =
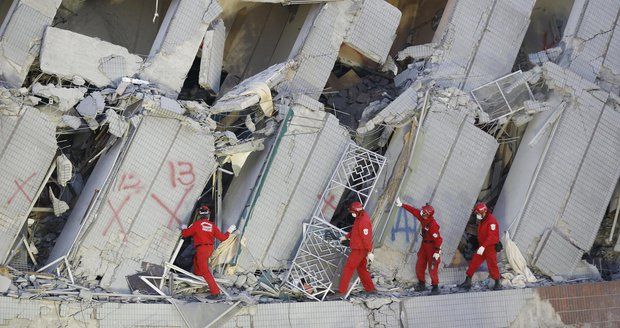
(320, 256)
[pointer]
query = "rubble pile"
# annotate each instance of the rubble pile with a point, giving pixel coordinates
(109, 150)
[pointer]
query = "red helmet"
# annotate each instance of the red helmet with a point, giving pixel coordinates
(481, 208)
(356, 207)
(428, 210)
(204, 211)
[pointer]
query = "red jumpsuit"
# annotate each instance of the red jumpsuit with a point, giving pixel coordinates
(431, 244)
(488, 236)
(203, 232)
(361, 245)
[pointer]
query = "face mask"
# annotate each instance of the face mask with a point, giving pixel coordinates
(479, 216)
(353, 215)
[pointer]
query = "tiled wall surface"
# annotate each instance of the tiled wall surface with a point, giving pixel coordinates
(596, 304)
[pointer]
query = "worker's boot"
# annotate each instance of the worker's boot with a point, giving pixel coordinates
(435, 290)
(215, 297)
(466, 284)
(498, 285)
(420, 287)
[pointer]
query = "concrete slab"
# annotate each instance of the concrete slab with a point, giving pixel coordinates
(20, 37)
(28, 147)
(177, 43)
(98, 62)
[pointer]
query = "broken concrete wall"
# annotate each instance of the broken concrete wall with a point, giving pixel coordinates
(146, 195)
(28, 140)
(177, 43)
(374, 30)
(129, 24)
(592, 42)
(20, 37)
(480, 40)
(575, 175)
(301, 163)
(327, 28)
(212, 55)
(447, 169)
(261, 35)
(317, 46)
(98, 62)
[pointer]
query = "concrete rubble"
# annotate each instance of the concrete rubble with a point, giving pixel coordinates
(279, 114)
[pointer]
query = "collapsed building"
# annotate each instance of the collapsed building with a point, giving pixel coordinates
(112, 139)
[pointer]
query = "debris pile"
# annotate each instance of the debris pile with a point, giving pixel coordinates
(109, 150)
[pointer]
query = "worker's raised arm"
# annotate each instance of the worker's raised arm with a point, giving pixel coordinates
(414, 211)
(219, 235)
(188, 232)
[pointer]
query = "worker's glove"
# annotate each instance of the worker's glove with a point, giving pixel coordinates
(370, 257)
(397, 202)
(232, 228)
(343, 238)
(436, 256)
(183, 226)
(480, 250)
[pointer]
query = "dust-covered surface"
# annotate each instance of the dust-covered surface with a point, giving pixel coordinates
(120, 118)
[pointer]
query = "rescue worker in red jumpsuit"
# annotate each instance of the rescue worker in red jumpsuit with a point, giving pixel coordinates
(204, 232)
(430, 248)
(360, 238)
(488, 237)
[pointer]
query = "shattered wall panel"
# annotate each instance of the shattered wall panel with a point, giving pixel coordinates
(28, 147)
(558, 256)
(95, 183)
(460, 184)
(590, 43)
(374, 30)
(594, 185)
(151, 193)
(559, 168)
(500, 42)
(438, 134)
(481, 41)
(21, 38)
(514, 192)
(449, 165)
(212, 56)
(300, 168)
(98, 62)
(319, 51)
(177, 43)
(318, 168)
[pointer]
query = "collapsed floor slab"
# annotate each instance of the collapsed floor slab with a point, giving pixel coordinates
(592, 41)
(20, 37)
(28, 149)
(479, 40)
(177, 43)
(570, 185)
(447, 169)
(299, 165)
(212, 55)
(140, 192)
(327, 28)
(98, 62)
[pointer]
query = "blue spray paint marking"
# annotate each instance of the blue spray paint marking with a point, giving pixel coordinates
(409, 224)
